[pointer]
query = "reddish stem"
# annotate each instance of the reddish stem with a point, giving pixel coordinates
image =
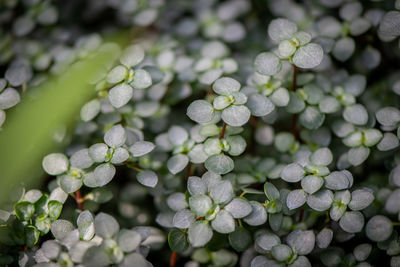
(172, 260)
(79, 200)
(222, 133)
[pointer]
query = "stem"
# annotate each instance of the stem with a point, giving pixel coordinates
(172, 260)
(396, 223)
(133, 166)
(189, 171)
(78, 198)
(222, 134)
(24, 87)
(301, 215)
(294, 130)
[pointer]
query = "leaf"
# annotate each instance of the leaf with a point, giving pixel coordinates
(389, 26)
(322, 156)
(104, 173)
(280, 97)
(85, 224)
(55, 163)
(292, 173)
(222, 192)
(240, 239)
(388, 116)
(132, 55)
(320, 201)
(119, 156)
(259, 105)
(311, 118)
(271, 191)
(301, 241)
(31, 236)
(116, 136)
(24, 210)
(311, 184)
(219, 164)
(58, 194)
(223, 222)
(98, 152)
(70, 184)
(236, 115)
(281, 29)
(135, 259)
(120, 95)
(142, 79)
(308, 56)
(129, 240)
(177, 135)
(199, 234)
(267, 63)
(356, 114)
(61, 228)
(177, 163)
(81, 159)
(200, 204)
(357, 155)
(96, 256)
(177, 241)
(258, 215)
(212, 146)
(177, 201)
(266, 240)
(296, 199)
(238, 208)
(54, 208)
(324, 238)
(196, 186)
(101, 195)
(9, 98)
(197, 154)
(362, 251)
(388, 142)
(337, 181)
(200, 111)
(51, 249)
(361, 199)
(329, 105)
(281, 252)
(286, 48)
(183, 219)
(284, 141)
(379, 228)
(344, 48)
(117, 74)
(147, 178)
(105, 225)
(237, 145)
(226, 86)
(352, 221)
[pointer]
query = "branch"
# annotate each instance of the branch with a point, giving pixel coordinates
(79, 200)
(172, 260)
(222, 134)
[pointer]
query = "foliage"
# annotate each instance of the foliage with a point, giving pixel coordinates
(201, 142)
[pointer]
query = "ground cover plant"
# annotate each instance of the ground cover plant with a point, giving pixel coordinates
(219, 133)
